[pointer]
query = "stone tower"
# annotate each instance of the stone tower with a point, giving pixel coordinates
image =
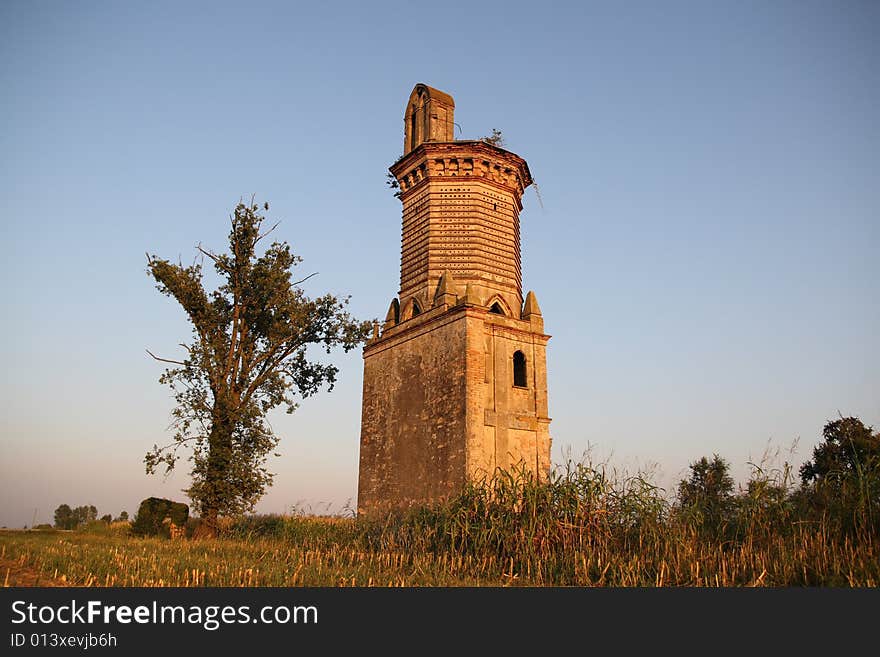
(455, 386)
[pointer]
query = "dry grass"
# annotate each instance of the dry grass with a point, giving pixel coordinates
(582, 528)
(91, 560)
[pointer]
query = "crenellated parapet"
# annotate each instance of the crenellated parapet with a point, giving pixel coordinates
(450, 293)
(462, 159)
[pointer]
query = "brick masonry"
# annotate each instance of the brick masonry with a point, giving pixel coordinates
(441, 405)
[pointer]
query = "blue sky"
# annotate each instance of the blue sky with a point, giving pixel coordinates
(704, 248)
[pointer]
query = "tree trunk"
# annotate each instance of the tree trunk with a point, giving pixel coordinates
(215, 489)
(207, 528)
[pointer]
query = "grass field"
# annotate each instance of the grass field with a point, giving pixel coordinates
(81, 559)
(580, 529)
(93, 560)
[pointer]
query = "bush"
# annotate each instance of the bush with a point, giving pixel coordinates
(151, 515)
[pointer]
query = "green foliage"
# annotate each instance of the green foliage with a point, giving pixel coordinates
(765, 509)
(850, 450)
(585, 526)
(707, 496)
(123, 516)
(496, 138)
(842, 480)
(152, 513)
(67, 518)
(248, 355)
(64, 517)
(526, 525)
(392, 183)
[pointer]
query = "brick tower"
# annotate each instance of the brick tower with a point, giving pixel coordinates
(455, 386)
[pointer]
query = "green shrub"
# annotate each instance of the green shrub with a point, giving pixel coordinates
(151, 515)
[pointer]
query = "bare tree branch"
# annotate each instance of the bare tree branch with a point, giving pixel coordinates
(172, 446)
(207, 253)
(164, 360)
(303, 280)
(266, 233)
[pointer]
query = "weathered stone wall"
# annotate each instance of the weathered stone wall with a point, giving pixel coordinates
(514, 423)
(413, 419)
(440, 406)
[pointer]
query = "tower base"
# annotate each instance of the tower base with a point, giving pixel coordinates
(450, 396)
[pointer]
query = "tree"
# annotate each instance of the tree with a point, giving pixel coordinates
(67, 518)
(850, 449)
(84, 514)
(709, 491)
(249, 353)
(123, 517)
(842, 481)
(64, 517)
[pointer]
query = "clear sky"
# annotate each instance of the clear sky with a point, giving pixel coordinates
(704, 249)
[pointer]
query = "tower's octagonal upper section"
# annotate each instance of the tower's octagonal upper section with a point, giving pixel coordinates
(461, 204)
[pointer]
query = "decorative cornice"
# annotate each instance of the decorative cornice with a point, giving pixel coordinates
(444, 314)
(461, 159)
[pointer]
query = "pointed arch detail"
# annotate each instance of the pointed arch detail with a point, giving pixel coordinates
(499, 306)
(412, 307)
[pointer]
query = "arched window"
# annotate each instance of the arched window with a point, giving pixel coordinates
(417, 309)
(496, 308)
(412, 128)
(519, 370)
